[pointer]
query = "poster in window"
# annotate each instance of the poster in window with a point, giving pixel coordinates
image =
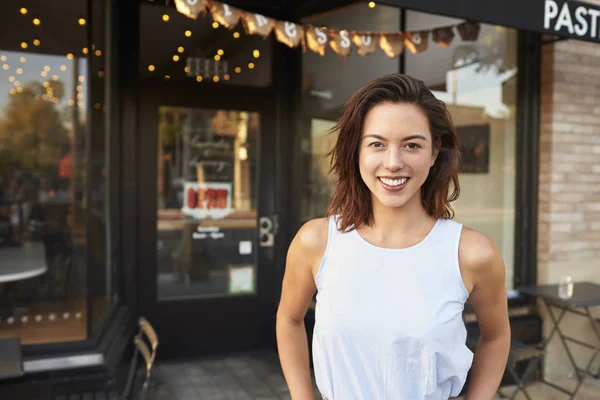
(241, 279)
(207, 200)
(475, 148)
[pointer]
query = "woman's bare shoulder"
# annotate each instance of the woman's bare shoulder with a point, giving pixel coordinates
(478, 256)
(312, 236)
(308, 247)
(476, 248)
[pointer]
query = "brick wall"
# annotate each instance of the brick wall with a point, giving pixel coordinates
(569, 191)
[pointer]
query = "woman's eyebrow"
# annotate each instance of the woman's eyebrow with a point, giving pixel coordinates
(404, 139)
(413, 137)
(375, 137)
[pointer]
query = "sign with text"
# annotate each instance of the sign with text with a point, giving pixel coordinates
(207, 200)
(565, 18)
(572, 18)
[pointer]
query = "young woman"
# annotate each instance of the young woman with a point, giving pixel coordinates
(391, 270)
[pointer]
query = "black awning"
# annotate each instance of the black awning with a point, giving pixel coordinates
(564, 18)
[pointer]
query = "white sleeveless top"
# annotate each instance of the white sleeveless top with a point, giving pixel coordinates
(389, 321)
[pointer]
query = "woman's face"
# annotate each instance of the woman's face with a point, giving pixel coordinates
(396, 153)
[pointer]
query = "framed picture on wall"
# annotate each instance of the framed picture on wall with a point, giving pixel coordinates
(474, 143)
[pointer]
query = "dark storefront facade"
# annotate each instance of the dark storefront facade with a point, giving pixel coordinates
(156, 165)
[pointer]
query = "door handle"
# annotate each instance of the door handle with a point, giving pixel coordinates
(267, 229)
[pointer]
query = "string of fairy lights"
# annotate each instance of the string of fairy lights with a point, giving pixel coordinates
(166, 18)
(15, 67)
(16, 71)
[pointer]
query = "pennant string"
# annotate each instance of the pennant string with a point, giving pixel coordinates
(318, 39)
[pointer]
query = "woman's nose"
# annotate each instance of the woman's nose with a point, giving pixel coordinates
(394, 160)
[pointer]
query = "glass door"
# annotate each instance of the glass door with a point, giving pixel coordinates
(207, 224)
(207, 203)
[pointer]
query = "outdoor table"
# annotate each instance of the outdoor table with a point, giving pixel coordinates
(20, 263)
(585, 295)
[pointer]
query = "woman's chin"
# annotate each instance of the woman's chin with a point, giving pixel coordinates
(391, 201)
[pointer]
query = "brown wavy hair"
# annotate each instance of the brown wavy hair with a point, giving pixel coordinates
(352, 198)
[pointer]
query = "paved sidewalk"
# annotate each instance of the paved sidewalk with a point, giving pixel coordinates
(251, 376)
(258, 376)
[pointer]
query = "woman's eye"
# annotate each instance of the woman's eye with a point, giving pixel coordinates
(376, 144)
(413, 146)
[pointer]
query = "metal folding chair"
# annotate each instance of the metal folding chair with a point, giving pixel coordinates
(145, 344)
(520, 352)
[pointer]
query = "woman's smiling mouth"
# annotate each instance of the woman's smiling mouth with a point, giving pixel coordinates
(393, 183)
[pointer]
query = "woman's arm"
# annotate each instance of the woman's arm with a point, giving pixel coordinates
(481, 260)
(304, 256)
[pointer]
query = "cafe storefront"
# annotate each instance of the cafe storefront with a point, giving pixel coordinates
(158, 156)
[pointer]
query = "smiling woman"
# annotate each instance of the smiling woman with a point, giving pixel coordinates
(396, 137)
(391, 270)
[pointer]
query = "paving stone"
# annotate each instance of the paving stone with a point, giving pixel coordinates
(250, 376)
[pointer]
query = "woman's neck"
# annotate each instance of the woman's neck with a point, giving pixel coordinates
(409, 218)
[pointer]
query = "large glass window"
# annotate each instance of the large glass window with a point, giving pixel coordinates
(477, 80)
(328, 82)
(52, 171)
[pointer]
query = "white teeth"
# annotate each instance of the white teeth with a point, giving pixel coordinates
(393, 182)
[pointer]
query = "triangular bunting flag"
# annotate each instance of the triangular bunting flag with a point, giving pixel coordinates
(417, 42)
(392, 44)
(316, 39)
(340, 42)
(469, 30)
(225, 14)
(366, 42)
(289, 33)
(443, 36)
(191, 8)
(256, 24)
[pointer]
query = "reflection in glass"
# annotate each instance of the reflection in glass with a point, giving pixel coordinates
(477, 80)
(42, 195)
(206, 202)
(45, 203)
(328, 82)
